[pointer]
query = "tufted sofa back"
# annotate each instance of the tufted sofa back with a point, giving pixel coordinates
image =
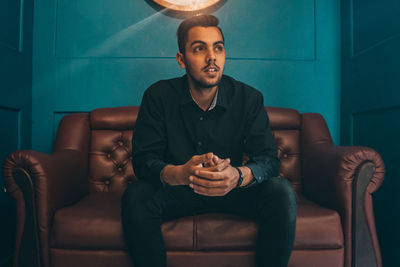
(110, 146)
(286, 125)
(110, 150)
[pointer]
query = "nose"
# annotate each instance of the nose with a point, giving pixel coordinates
(211, 55)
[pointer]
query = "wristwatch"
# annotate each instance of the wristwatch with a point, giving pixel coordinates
(240, 181)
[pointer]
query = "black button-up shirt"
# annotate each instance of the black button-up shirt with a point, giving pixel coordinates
(171, 128)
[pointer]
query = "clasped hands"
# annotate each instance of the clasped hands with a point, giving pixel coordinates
(206, 174)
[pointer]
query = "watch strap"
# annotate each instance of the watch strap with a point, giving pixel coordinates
(240, 181)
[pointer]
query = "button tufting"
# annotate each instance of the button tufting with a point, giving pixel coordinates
(107, 182)
(285, 155)
(120, 169)
(120, 143)
(109, 155)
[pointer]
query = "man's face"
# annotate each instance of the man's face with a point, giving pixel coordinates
(204, 57)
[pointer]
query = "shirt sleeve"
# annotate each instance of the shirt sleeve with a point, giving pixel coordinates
(259, 143)
(149, 140)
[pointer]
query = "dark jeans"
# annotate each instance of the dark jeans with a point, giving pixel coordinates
(272, 203)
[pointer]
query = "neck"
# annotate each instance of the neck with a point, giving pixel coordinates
(203, 97)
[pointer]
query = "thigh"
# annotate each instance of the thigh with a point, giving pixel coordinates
(177, 201)
(252, 202)
(167, 202)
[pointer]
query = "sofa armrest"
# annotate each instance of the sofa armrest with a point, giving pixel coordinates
(42, 183)
(343, 178)
(330, 172)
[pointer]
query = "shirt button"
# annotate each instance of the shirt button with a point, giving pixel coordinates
(199, 143)
(201, 118)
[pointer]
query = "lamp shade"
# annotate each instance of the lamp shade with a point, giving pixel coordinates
(186, 5)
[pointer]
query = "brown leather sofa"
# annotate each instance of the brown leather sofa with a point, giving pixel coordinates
(68, 202)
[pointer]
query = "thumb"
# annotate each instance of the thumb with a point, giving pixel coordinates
(198, 159)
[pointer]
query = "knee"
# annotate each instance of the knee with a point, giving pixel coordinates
(280, 192)
(134, 201)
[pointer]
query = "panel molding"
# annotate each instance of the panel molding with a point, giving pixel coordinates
(20, 43)
(19, 123)
(364, 112)
(376, 44)
(21, 27)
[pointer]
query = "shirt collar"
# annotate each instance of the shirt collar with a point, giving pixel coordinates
(221, 97)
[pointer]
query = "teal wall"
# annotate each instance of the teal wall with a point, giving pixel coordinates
(15, 102)
(97, 53)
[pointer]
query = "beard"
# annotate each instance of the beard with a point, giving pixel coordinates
(202, 83)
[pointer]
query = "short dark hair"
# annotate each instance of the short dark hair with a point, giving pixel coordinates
(187, 24)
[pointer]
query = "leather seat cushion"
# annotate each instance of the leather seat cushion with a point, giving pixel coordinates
(316, 228)
(95, 223)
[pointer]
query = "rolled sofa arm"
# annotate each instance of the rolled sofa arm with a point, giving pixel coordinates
(343, 178)
(42, 183)
(330, 173)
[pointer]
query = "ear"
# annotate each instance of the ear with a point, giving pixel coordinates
(181, 60)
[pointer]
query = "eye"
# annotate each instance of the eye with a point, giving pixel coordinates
(198, 48)
(219, 48)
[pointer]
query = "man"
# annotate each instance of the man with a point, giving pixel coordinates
(188, 146)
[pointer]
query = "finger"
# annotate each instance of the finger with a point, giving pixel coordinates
(199, 159)
(212, 175)
(211, 161)
(222, 165)
(207, 165)
(216, 160)
(209, 156)
(198, 189)
(194, 180)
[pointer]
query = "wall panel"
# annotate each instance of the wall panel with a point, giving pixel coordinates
(372, 29)
(279, 30)
(370, 102)
(16, 24)
(93, 54)
(11, 14)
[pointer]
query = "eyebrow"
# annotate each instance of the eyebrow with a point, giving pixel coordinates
(201, 42)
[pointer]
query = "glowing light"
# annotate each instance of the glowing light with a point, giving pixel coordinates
(186, 5)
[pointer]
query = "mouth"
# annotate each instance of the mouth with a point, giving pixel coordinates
(211, 69)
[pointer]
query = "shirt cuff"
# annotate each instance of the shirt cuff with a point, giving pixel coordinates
(258, 173)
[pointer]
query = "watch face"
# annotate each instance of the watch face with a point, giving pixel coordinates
(186, 5)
